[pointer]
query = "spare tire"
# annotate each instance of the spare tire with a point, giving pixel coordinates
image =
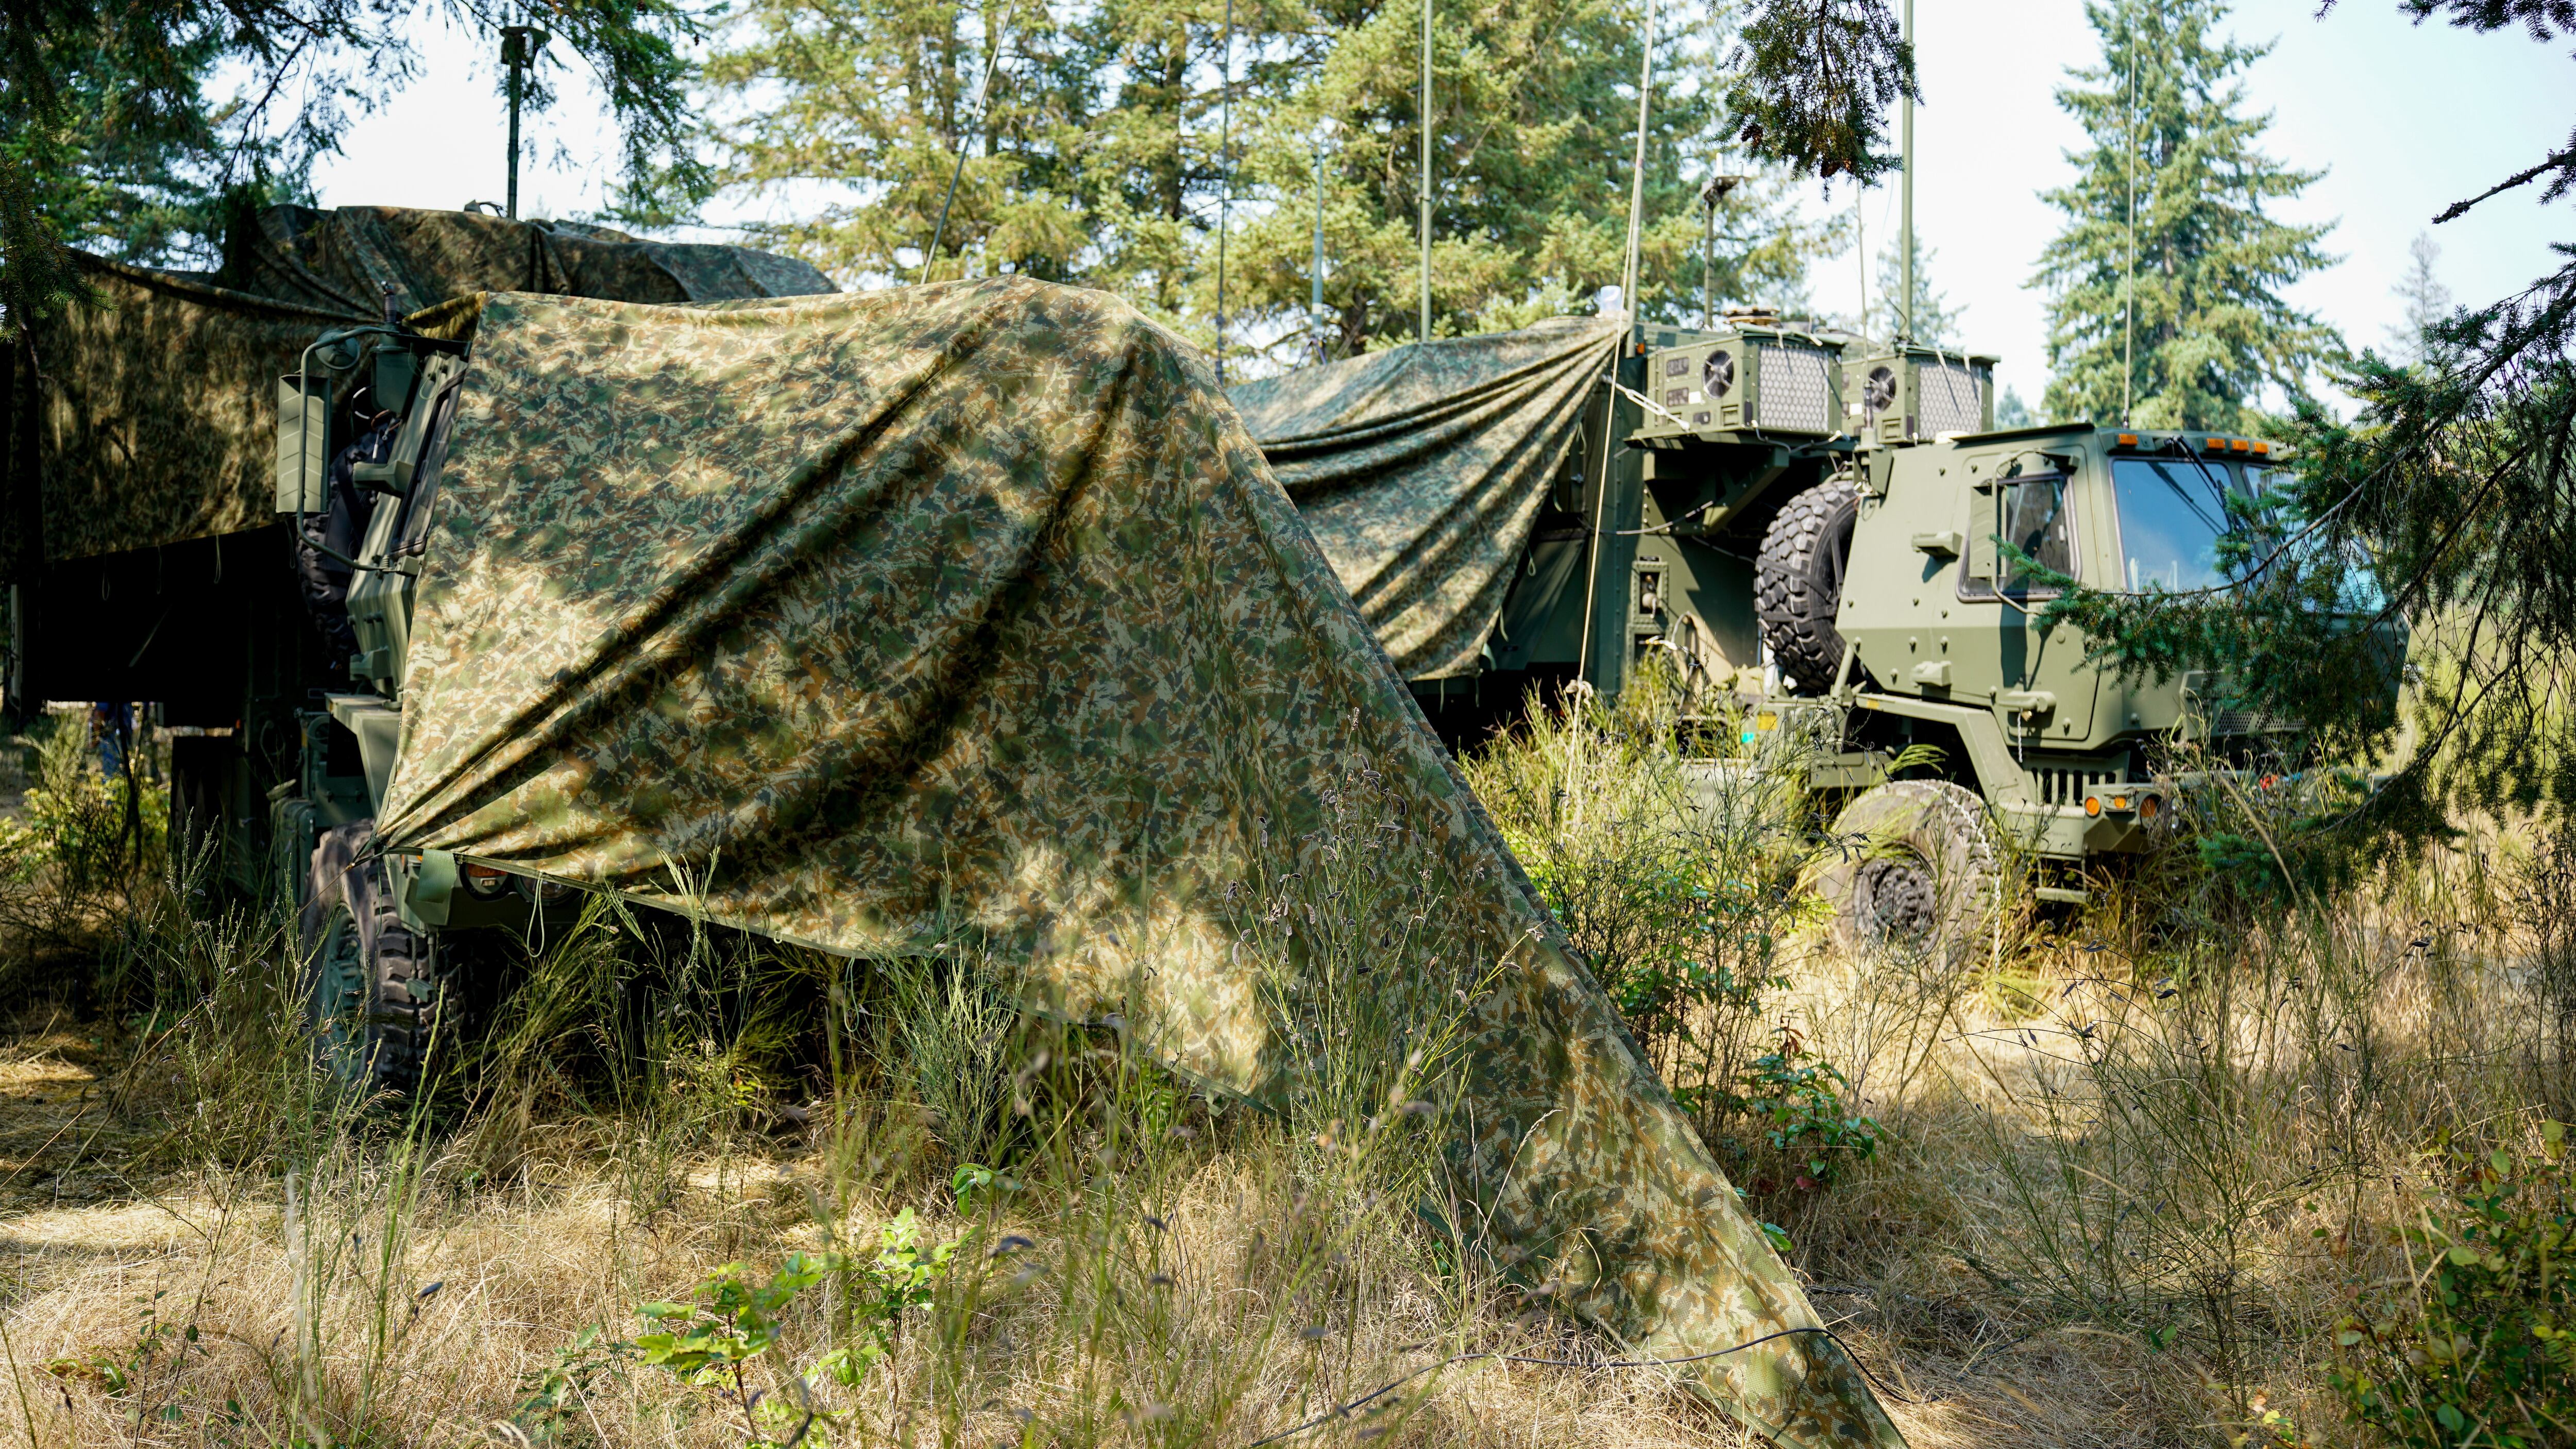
(1919, 872)
(1798, 584)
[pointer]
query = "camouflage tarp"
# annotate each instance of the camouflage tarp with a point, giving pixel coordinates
(973, 605)
(155, 415)
(1421, 470)
(342, 260)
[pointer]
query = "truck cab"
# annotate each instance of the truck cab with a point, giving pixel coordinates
(1957, 548)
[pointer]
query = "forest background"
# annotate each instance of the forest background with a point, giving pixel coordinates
(1990, 143)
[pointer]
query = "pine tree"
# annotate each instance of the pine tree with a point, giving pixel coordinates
(2422, 299)
(865, 106)
(1100, 159)
(1533, 127)
(2210, 328)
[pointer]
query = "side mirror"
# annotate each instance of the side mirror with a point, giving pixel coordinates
(303, 443)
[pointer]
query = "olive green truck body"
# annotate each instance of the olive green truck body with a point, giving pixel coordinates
(1804, 524)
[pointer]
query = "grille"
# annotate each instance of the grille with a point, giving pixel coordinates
(2069, 785)
(1797, 391)
(1949, 399)
(2251, 722)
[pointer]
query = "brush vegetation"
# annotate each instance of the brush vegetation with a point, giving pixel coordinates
(2237, 1155)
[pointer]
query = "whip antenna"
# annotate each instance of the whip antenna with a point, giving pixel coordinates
(1628, 322)
(982, 93)
(1225, 183)
(1424, 334)
(2129, 283)
(1905, 211)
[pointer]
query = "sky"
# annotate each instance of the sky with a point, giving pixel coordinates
(2402, 119)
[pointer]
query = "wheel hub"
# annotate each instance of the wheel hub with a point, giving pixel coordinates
(1897, 900)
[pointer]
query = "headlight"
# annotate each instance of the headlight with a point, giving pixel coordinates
(543, 891)
(485, 882)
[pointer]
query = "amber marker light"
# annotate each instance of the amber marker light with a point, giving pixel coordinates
(485, 881)
(2128, 440)
(2093, 806)
(2148, 808)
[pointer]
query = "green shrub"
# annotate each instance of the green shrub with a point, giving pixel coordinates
(2482, 1350)
(1796, 1103)
(1672, 854)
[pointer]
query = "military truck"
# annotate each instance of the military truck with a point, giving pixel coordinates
(152, 547)
(1803, 522)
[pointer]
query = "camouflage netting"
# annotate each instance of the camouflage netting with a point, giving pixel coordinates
(1422, 468)
(974, 605)
(155, 416)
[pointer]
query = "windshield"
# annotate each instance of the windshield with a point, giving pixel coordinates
(2172, 512)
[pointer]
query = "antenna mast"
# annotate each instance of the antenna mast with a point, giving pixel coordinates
(1000, 35)
(1637, 171)
(1423, 334)
(1905, 211)
(519, 46)
(1225, 184)
(1599, 522)
(1315, 308)
(2129, 283)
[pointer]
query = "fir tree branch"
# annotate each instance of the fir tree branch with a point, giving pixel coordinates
(2563, 161)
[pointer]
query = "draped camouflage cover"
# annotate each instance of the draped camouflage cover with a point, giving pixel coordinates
(154, 415)
(974, 604)
(341, 260)
(1422, 468)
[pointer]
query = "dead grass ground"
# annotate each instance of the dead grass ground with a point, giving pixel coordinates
(1903, 1260)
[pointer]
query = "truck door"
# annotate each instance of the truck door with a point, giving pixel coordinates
(2044, 690)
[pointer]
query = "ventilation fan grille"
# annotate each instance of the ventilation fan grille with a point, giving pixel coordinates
(1797, 389)
(1949, 398)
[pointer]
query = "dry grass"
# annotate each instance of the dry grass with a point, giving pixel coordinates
(2124, 1185)
(306, 1333)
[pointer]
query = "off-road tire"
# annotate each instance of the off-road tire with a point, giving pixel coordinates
(1798, 583)
(1918, 873)
(375, 988)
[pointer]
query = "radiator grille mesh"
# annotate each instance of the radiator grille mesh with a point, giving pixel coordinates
(1950, 398)
(1797, 388)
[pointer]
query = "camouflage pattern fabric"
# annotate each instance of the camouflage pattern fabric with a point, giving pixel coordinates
(342, 260)
(1422, 468)
(155, 416)
(155, 420)
(860, 620)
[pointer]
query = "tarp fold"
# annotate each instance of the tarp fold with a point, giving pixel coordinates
(1422, 468)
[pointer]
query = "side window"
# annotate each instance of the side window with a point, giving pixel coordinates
(2035, 522)
(2031, 514)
